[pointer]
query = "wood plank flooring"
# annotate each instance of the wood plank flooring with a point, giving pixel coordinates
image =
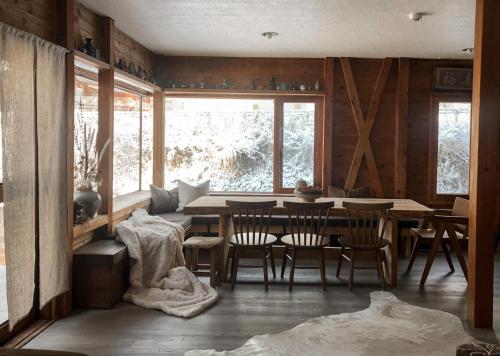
(249, 310)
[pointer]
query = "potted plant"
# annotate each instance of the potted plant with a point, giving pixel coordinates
(307, 193)
(87, 176)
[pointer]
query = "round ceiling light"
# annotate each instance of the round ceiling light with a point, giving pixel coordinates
(415, 16)
(270, 35)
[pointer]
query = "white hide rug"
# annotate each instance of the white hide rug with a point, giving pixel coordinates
(388, 327)
(158, 276)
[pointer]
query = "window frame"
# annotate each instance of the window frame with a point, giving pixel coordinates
(279, 101)
(433, 197)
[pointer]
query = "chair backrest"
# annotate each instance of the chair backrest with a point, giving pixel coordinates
(251, 220)
(308, 221)
(364, 221)
(460, 207)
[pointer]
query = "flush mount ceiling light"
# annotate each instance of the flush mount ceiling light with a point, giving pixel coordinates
(469, 51)
(270, 35)
(416, 16)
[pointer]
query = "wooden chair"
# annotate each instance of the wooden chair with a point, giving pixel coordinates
(308, 223)
(445, 227)
(366, 233)
(215, 245)
(251, 232)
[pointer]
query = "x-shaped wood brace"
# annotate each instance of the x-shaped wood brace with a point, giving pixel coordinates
(364, 126)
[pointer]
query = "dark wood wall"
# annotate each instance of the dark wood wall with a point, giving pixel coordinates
(239, 71)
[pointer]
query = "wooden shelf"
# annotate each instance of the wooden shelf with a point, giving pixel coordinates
(184, 91)
(88, 226)
(133, 81)
(90, 63)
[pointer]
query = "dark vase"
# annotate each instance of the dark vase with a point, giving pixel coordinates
(90, 201)
(89, 47)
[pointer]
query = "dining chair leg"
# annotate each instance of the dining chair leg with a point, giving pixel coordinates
(213, 266)
(446, 253)
(220, 264)
(264, 266)
(236, 257)
(351, 272)
(292, 271)
(273, 264)
(380, 269)
(339, 263)
(231, 256)
(283, 264)
(413, 255)
(436, 242)
(458, 250)
(322, 268)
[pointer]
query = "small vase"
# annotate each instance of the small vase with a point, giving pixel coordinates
(89, 47)
(89, 200)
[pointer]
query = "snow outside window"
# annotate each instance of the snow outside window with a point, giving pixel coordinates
(454, 122)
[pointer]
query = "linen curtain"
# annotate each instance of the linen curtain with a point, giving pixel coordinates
(32, 108)
(52, 168)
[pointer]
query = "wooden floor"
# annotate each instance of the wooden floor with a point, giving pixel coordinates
(249, 310)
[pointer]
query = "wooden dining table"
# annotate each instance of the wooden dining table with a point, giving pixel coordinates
(403, 209)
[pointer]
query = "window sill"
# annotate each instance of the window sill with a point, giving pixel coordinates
(125, 204)
(250, 194)
(90, 225)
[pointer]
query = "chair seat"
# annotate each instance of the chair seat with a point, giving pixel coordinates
(306, 240)
(245, 239)
(203, 242)
(346, 241)
(431, 233)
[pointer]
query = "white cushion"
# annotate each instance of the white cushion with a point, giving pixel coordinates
(188, 192)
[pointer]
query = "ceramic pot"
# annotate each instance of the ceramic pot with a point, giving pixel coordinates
(89, 200)
(309, 197)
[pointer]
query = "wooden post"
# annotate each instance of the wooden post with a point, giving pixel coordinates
(485, 117)
(106, 116)
(326, 179)
(158, 138)
(401, 129)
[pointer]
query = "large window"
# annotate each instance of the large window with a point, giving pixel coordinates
(239, 143)
(450, 145)
(132, 142)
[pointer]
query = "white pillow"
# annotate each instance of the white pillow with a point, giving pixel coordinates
(188, 193)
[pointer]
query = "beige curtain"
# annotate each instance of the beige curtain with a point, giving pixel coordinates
(52, 169)
(34, 128)
(17, 101)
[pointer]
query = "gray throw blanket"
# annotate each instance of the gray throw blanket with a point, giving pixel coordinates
(158, 276)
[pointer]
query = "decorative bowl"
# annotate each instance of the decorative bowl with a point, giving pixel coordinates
(308, 195)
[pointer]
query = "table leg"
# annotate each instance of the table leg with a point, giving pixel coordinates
(391, 251)
(225, 230)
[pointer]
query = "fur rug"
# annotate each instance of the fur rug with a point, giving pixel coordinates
(158, 278)
(388, 327)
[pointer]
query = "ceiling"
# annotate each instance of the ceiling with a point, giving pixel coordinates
(307, 28)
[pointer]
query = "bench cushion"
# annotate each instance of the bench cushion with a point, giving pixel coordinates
(179, 218)
(203, 242)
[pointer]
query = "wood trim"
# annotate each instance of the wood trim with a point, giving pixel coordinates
(128, 80)
(158, 138)
(90, 63)
(432, 196)
(363, 147)
(88, 226)
(106, 118)
(327, 169)
(482, 208)
(184, 91)
(401, 128)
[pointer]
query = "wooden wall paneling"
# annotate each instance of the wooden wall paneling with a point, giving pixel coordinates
(88, 25)
(130, 50)
(158, 138)
(364, 126)
(239, 71)
(401, 128)
(106, 117)
(35, 16)
(484, 132)
(326, 178)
